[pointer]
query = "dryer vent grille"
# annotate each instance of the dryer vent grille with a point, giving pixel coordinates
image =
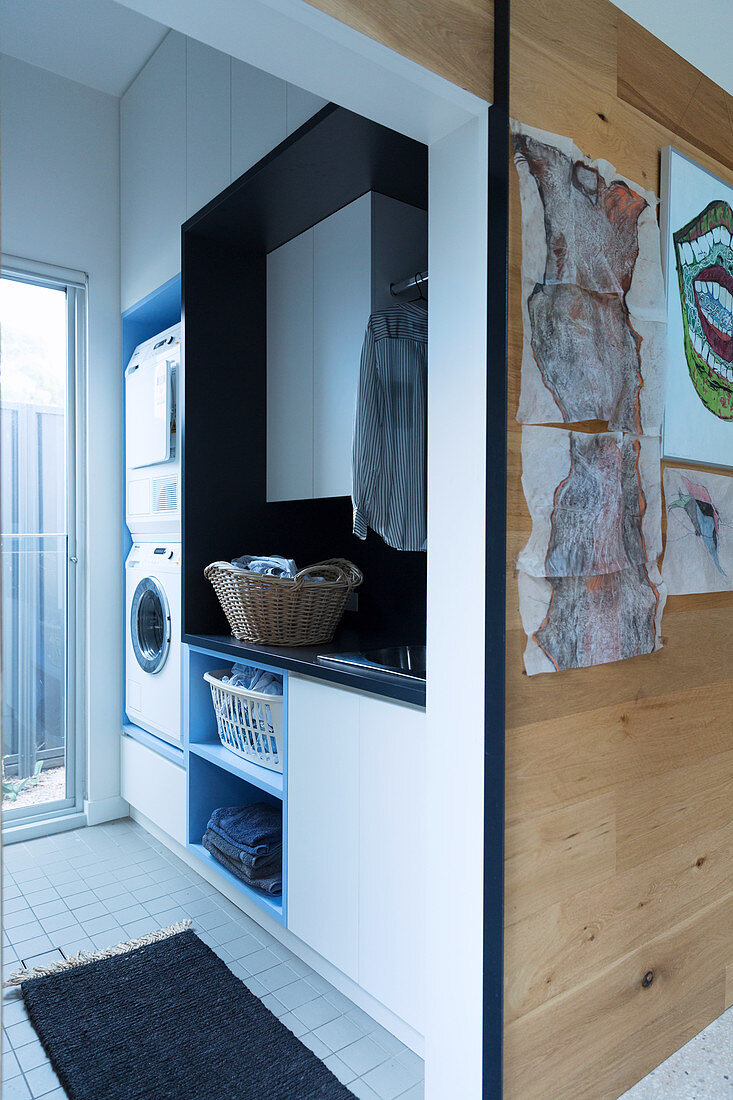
(165, 494)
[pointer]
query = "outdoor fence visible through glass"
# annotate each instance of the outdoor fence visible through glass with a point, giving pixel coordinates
(34, 543)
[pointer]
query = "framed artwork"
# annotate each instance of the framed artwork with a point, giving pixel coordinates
(697, 254)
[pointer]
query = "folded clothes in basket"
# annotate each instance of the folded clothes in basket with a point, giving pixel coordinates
(271, 566)
(269, 882)
(259, 863)
(255, 829)
(254, 679)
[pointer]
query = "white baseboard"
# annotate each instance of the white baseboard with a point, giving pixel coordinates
(105, 809)
(31, 830)
(379, 1012)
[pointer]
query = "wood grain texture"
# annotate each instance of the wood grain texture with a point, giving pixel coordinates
(636, 758)
(667, 88)
(451, 37)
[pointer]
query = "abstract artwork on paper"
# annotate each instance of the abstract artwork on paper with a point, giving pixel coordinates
(697, 219)
(595, 502)
(592, 291)
(698, 555)
(575, 622)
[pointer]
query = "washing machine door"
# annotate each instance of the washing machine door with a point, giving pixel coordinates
(150, 625)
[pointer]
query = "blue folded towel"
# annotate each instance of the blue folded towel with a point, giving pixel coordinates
(269, 883)
(233, 851)
(254, 829)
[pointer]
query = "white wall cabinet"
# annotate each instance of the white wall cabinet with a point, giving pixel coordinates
(313, 368)
(356, 832)
(208, 124)
(153, 171)
(193, 120)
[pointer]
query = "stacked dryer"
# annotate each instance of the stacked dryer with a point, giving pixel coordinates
(153, 514)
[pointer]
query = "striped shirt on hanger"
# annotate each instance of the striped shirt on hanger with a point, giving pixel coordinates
(390, 428)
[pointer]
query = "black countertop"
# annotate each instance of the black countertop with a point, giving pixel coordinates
(302, 659)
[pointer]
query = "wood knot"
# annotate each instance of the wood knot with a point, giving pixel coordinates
(602, 116)
(699, 862)
(647, 980)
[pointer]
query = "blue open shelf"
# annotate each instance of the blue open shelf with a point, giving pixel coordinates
(260, 777)
(272, 905)
(215, 776)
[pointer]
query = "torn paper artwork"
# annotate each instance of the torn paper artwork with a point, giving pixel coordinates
(593, 298)
(698, 555)
(595, 502)
(574, 622)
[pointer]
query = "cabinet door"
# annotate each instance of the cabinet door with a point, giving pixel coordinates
(392, 856)
(301, 106)
(153, 171)
(323, 820)
(258, 115)
(290, 370)
(208, 124)
(341, 304)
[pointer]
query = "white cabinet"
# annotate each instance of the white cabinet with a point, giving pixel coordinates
(259, 109)
(323, 821)
(357, 861)
(154, 786)
(153, 176)
(208, 124)
(393, 856)
(290, 391)
(193, 120)
(313, 368)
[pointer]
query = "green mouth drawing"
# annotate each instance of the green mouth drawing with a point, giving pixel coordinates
(704, 253)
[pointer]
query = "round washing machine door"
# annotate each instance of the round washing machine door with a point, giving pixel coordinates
(150, 625)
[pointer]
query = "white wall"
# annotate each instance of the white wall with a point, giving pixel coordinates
(456, 640)
(60, 205)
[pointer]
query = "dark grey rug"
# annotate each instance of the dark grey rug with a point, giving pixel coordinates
(169, 1021)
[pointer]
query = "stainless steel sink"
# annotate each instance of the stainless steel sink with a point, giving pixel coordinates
(399, 660)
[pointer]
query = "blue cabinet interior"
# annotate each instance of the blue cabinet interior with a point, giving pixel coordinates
(218, 777)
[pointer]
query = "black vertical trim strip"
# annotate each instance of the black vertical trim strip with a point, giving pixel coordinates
(496, 497)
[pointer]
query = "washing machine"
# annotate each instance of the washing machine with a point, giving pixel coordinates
(153, 666)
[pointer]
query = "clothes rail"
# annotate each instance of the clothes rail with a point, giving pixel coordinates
(418, 280)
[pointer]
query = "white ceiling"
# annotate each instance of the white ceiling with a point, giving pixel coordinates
(95, 42)
(701, 32)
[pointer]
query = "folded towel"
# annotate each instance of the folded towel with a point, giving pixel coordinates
(270, 565)
(269, 884)
(255, 829)
(260, 864)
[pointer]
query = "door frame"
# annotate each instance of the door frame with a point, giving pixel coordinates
(25, 823)
(301, 44)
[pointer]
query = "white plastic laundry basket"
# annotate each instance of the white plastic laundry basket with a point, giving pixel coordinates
(250, 723)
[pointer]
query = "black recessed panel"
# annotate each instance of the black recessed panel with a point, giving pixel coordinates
(328, 163)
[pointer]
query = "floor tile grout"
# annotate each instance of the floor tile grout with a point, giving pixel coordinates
(84, 865)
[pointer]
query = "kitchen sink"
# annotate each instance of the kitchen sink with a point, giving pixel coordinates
(400, 660)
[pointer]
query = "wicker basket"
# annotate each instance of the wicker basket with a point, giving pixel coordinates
(301, 610)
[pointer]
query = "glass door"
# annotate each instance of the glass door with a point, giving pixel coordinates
(39, 319)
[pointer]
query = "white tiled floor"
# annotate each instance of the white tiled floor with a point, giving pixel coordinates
(95, 887)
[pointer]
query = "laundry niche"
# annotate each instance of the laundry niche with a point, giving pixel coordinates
(322, 287)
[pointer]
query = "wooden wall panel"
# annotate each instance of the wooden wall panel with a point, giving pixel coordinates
(451, 37)
(637, 753)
